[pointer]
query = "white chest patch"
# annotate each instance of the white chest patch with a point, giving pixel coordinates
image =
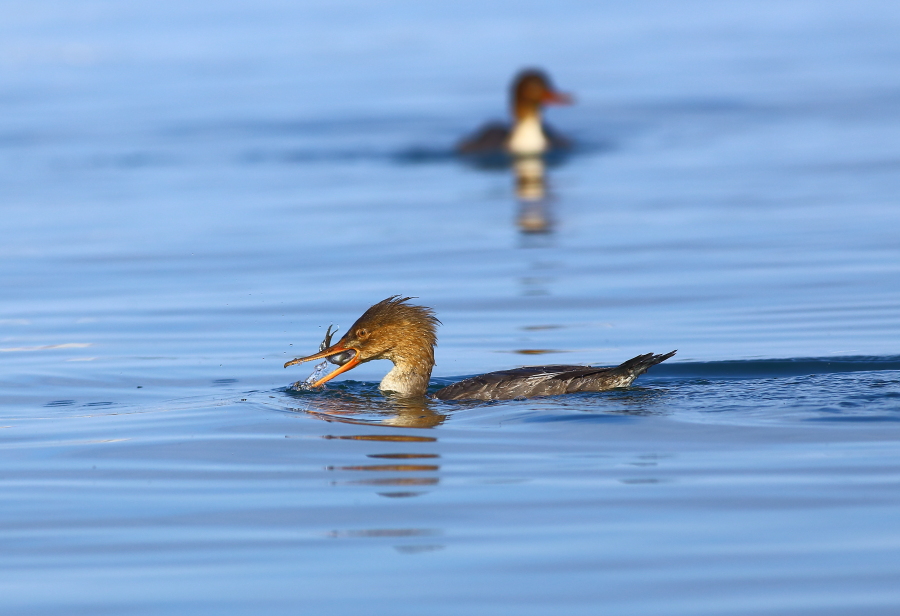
(527, 138)
(403, 383)
(393, 381)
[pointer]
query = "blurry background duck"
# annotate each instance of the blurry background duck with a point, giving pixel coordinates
(406, 335)
(529, 135)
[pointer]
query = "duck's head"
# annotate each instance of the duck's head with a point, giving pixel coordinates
(391, 329)
(531, 90)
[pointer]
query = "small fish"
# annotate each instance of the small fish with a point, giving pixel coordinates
(320, 369)
(341, 358)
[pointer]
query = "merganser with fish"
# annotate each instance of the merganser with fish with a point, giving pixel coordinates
(528, 136)
(406, 335)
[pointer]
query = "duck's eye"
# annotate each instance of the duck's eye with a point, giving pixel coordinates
(362, 333)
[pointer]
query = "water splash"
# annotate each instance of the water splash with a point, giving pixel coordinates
(317, 373)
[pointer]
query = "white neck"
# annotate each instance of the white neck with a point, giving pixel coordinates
(405, 382)
(527, 137)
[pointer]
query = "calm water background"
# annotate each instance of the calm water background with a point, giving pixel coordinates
(191, 192)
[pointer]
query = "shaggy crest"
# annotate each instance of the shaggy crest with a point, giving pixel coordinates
(394, 314)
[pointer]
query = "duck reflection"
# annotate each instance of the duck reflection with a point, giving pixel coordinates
(417, 463)
(340, 405)
(534, 219)
(408, 471)
(531, 190)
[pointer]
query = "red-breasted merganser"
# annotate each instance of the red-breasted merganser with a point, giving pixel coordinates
(405, 334)
(529, 136)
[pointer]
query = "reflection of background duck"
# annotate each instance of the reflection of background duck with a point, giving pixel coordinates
(531, 189)
(529, 135)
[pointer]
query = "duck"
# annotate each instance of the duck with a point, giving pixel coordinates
(529, 135)
(406, 334)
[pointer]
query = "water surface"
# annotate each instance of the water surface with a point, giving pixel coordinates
(192, 193)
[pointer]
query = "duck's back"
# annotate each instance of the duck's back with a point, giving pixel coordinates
(536, 381)
(491, 138)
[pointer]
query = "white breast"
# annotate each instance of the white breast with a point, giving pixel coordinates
(527, 138)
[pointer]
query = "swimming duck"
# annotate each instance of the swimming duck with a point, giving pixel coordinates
(529, 136)
(406, 334)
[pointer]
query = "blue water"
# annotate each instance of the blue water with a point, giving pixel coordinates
(192, 192)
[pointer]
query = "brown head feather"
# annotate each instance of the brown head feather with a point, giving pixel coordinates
(531, 90)
(394, 329)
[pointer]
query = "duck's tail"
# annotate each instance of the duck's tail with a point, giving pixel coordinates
(637, 366)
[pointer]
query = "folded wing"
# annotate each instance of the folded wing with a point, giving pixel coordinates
(536, 381)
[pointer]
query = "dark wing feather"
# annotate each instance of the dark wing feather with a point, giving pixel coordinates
(491, 138)
(534, 381)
